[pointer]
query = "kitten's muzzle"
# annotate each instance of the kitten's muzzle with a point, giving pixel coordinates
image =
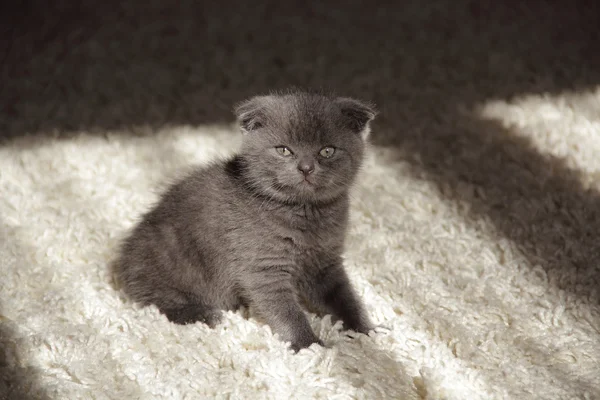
(307, 167)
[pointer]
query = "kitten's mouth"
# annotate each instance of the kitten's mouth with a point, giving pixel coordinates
(305, 181)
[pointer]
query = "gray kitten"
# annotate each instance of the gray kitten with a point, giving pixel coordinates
(263, 229)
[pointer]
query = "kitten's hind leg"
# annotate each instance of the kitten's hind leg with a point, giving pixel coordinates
(192, 312)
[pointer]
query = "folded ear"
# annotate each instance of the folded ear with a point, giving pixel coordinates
(250, 113)
(356, 115)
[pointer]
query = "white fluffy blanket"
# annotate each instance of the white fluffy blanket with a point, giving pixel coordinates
(474, 224)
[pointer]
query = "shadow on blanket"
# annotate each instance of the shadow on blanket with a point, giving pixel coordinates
(376, 372)
(16, 381)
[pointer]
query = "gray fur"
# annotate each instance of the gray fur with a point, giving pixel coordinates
(251, 231)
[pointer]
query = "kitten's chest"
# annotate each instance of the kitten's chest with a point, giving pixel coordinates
(310, 219)
(306, 230)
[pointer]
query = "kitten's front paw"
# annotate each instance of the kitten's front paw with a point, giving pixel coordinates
(302, 344)
(363, 328)
(191, 313)
(379, 329)
(212, 318)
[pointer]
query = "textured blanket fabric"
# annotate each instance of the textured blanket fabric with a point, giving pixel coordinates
(475, 223)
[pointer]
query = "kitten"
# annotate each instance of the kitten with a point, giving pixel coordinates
(263, 229)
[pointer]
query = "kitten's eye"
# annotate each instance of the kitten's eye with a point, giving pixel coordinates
(284, 151)
(327, 152)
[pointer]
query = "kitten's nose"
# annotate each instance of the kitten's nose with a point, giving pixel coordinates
(306, 167)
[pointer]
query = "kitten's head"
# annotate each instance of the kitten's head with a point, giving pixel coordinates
(303, 147)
